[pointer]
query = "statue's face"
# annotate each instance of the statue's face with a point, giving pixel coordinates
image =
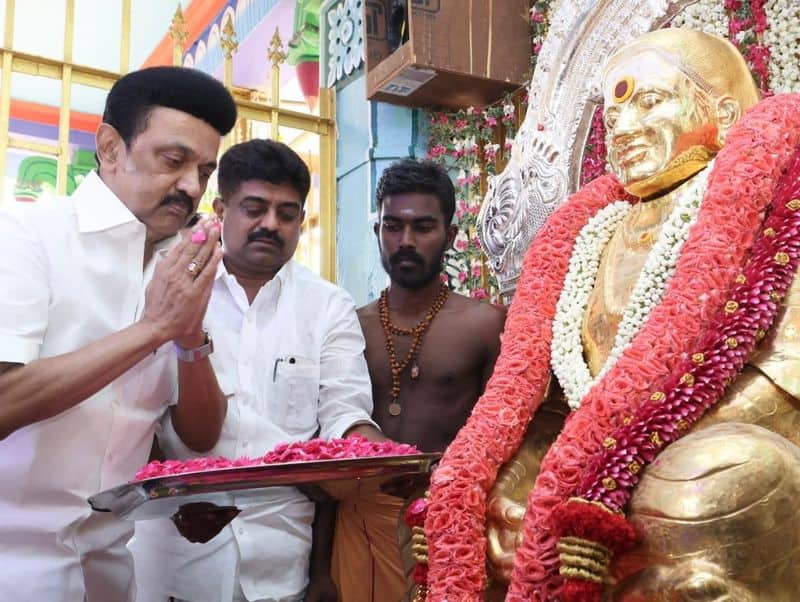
(654, 114)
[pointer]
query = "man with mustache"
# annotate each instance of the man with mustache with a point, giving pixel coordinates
(94, 311)
(430, 352)
(290, 358)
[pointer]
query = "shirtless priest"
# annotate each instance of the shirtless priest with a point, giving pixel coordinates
(430, 352)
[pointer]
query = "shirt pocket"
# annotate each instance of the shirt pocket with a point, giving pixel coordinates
(297, 380)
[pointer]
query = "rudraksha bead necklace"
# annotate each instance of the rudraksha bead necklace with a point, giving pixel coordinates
(417, 333)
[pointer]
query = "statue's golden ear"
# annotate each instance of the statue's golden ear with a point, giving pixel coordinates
(728, 112)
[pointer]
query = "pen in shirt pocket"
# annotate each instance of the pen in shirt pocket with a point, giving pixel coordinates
(290, 359)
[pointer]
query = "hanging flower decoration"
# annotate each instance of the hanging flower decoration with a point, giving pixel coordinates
(540, 21)
(709, 16)
(470, 145)
(782, 37)
(747, 22)
(594, 152)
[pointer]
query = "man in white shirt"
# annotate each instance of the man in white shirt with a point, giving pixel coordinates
(87, 366)
(289, 354)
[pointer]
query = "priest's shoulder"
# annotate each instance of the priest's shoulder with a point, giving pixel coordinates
(478, 312)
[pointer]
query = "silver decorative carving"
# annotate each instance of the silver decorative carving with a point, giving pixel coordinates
(545, 162)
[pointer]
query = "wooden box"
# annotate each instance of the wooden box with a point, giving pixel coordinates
(452, 53)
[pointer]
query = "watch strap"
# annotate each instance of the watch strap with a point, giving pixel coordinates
(195, 354)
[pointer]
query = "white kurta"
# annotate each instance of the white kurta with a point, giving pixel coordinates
(71, 273)
(292, 363)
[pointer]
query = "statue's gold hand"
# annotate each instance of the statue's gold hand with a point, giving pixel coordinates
(503, 534)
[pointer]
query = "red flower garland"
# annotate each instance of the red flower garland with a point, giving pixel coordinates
(721, 355)
(739, 190)
(457, 506)
(694, 387)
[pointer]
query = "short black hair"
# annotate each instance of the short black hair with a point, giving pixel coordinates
(133, 97)
(425, 177)
(261, 159)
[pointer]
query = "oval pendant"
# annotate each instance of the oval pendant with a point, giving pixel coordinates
(395, 408)
(414, 371)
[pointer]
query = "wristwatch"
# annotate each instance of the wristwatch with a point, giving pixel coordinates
(198, 353)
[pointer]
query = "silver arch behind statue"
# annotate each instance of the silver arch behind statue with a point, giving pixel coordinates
(544, 167)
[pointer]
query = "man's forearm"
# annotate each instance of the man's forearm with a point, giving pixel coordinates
(201, 408)
(46, 387)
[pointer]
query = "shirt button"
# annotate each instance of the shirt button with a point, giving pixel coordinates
(241, 531)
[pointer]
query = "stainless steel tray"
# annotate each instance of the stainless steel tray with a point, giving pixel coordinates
(162, 496)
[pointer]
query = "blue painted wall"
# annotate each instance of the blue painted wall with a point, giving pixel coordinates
(371, 136)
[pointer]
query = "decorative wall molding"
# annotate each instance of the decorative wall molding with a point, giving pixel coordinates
(342, 39)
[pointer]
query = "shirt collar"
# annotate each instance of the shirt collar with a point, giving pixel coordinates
(271, 290)
(282, 276)
(97, 207)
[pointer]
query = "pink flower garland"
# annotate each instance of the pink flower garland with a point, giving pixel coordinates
(457, 508)
(354, 446)
(694, 387)
(739, 190)
(700, 381)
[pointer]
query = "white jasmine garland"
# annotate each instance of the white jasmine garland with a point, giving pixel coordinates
(782, 37)
(566, 347)
(567, 360)
(709, 16)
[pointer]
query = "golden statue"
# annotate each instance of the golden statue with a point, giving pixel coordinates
(670, 98)
(715, 513)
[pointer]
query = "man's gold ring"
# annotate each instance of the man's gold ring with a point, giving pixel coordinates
(193, 268)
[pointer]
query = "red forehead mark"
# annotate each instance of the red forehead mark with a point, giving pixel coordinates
(623, 89)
